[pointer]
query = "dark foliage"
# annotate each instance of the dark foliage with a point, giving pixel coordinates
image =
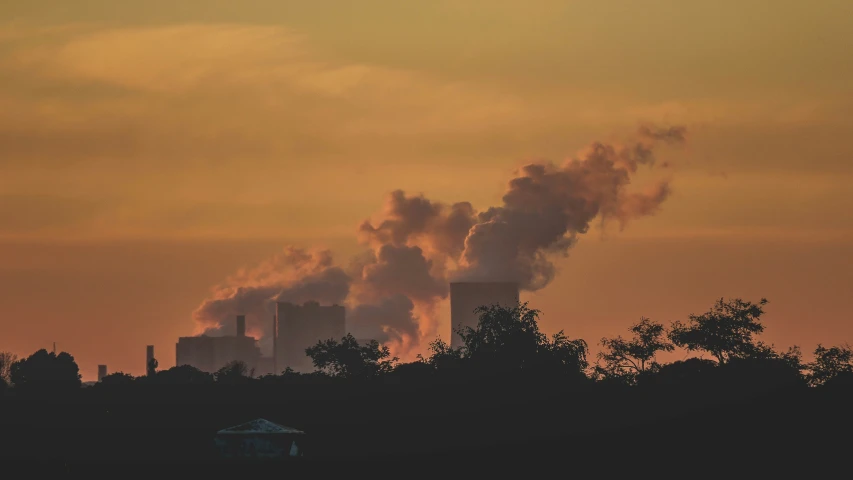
(624, 360)
(117, 379)
(349, 359)
(726, 331)
(152, 367)
(183, 375)
(509, 394)
(46, 370)
(507, 341)
(830, 363)
(235, 373)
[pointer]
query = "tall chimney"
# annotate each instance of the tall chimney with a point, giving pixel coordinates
(275, 344)
(241, 325)
(149, 354)
(102, 372)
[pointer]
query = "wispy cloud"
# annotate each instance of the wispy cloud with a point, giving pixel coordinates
(203, 115)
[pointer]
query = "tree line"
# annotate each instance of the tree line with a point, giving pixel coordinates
(723, 343)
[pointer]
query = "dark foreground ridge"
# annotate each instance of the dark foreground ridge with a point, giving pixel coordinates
(510, 398)
(478, 426)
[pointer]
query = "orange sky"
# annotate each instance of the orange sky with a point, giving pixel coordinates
(148, 152)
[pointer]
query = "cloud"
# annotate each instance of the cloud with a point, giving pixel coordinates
(215, 90)
(211, 115)
(258, 60)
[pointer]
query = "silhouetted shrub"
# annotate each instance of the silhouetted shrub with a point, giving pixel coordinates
(43, 370)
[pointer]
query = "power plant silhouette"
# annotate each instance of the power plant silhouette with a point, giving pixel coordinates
(298, 327)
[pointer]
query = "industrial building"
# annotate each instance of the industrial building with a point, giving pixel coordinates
(298, 327)
(465, 297)
(209, 354)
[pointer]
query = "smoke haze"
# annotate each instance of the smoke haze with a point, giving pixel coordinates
(417, 246)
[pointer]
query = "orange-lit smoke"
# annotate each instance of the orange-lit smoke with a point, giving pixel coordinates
(417, 246)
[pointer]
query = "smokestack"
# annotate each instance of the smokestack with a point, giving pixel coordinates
(275, 344)
(241, 325)
(149, 354)
(102, 372)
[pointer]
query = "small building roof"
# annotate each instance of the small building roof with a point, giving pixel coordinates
(259, 426)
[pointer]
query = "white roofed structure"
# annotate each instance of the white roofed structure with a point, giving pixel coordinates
(259, 426)
(259, 439)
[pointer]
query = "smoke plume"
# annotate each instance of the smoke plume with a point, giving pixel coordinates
(417, 246)
(294, 275)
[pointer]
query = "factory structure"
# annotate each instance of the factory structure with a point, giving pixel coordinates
(209, 354)
(298, 327)
(294, 327)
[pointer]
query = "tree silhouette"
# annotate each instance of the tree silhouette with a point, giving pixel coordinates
(152, 367)
(184, 374)
(506, 335)
(566, 354)
(506, 371)
(726, 331)
(118, 379)
(412, 373)
(763, 352)
(441, 355)
(43, 369)
(508, 338)
(6, 361)
(691, 371)
(830, 363)
(765, 371)
(236, 371)
(628, 358)
(349, 359)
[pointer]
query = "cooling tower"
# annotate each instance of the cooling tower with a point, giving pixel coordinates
(465, 297)
(149, 354)
(102, 372)
(302, 326)
(275, 344)
(241, 325)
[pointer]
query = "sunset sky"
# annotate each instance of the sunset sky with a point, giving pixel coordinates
(149, 150)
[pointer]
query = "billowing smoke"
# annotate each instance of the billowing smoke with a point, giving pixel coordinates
(390, 321)
(417, 246)
(548, 206)
(294, 275)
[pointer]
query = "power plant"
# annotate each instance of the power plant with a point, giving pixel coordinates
(301, 326)
(295, 328)
(465, 297)
(209, 354)
(298, 327)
